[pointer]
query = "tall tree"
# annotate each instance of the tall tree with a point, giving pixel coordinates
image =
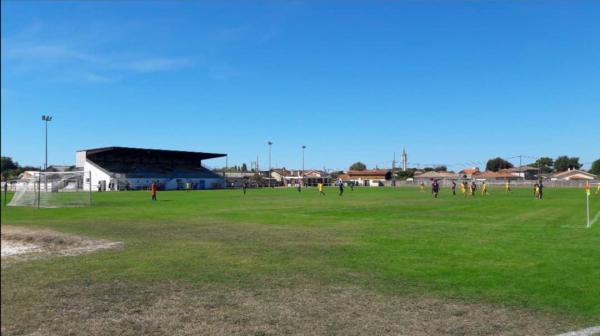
(358, 166)
(564, 163)
(7, 163)
(9, 168)
(410, 172)
(545, 164)
(595, 167)
(497, 164)
(244, 168)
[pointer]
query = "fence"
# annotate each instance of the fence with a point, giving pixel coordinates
(501, 183)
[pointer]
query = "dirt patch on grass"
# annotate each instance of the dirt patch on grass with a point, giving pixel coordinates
(177, 308)
(19, 244)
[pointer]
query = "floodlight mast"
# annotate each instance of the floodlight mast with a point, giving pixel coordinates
(46, 119)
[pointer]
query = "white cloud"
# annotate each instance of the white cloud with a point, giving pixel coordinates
(41, 52)
(95, 78)
(222, 72)
(157, 64)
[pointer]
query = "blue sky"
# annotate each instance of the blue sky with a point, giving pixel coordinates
(455, 82)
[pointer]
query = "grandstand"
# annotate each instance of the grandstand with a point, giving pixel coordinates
(125, 168)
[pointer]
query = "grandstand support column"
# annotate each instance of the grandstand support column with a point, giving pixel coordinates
(226, 169)
(90, 185)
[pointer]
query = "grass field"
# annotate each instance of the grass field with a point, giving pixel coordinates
(503, 253)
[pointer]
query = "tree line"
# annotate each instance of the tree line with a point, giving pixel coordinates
(546, 165)
(10, 169)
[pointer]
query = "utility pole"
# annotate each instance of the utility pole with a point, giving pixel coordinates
(394, 170)
(46, 118)
(269, 177)
(303, 148)
(521, 166)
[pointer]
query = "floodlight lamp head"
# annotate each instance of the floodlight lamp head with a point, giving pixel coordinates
(270, 143)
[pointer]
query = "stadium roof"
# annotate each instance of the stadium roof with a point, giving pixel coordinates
(148, 151)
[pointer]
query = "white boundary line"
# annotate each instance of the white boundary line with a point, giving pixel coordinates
(595, 218)
(583, 332)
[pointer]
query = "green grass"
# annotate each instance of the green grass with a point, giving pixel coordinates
(508, 249)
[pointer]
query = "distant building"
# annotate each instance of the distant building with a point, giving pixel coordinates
(503, 175)
(433, 175)
(525, 172)
(124, 168)
(60, 168)
(286, 177)
(572, 175)
(368, 178)
(237, 179)
(291, 178)
(469, 172)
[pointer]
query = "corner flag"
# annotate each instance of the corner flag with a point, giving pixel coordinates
(587, 206)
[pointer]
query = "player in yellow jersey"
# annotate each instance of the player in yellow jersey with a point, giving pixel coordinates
(484, 189)
(321, 192)
(463, 188)
(507, 186)
(422, 187)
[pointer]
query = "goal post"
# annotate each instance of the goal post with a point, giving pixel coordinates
(52, 190)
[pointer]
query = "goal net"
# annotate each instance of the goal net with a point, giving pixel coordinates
(52, 190)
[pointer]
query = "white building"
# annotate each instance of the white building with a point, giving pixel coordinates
(573, 174)
(124, 168)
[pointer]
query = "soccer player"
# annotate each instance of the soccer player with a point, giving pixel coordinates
(321, 192)
(536, 190)
(352, 186)
(341, 184)
(473, 188)
(153, 191)
(507, 186)
(435, 188)
(299, 187)
(422, 186)
(484, 189)
(453, 188)
(188, 186)
(540, 190)
(244, 187)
